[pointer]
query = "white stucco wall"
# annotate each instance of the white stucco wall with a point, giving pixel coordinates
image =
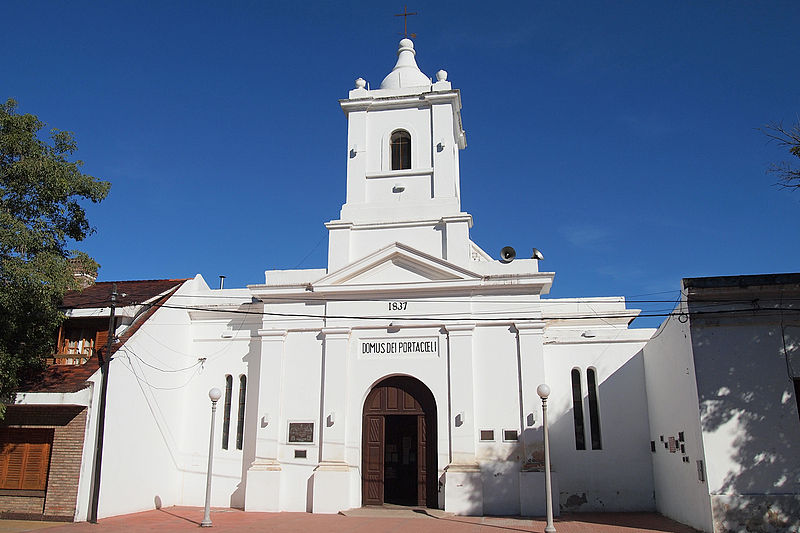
(749, 417)
(498, 408)
(300, 402)
(158, 413)
(672, 405)
(617, 477)
(222, 333)
(142, 421)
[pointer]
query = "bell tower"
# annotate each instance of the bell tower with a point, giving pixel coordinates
(403, 142)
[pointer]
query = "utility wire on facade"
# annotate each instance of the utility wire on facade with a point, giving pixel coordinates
(763, 311)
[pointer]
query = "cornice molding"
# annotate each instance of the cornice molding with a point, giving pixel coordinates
(400, 173)
(456, 330)
(334, 332)
(272, 334)
(426, 99)
(532, 327)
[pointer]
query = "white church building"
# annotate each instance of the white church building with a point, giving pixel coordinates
(404, 372)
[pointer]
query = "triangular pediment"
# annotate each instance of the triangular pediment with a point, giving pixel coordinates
(396, 263)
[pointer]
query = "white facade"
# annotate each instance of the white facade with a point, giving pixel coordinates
(406, 296)
(401, 270)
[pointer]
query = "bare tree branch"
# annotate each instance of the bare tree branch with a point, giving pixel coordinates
(788, 137)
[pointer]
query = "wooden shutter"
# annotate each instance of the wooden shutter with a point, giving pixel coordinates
(11, 459)
(24, 458)
(37, 461)
(100, 340)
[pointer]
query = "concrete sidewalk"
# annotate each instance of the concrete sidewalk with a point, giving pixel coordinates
(366, 520)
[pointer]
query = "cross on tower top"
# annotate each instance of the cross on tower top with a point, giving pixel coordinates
(405, 14)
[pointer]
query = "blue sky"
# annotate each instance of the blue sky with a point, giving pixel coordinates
(620, 138)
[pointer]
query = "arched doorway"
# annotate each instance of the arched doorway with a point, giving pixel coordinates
(398, 453)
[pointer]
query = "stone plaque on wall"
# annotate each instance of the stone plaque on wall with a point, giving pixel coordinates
(301, 432)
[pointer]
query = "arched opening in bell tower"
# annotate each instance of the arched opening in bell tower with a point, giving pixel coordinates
(398, 454)
(401, 150)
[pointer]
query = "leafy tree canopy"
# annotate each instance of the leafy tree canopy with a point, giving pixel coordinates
(788, 176)
(40, 214)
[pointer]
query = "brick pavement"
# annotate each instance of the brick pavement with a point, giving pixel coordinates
(228, 520)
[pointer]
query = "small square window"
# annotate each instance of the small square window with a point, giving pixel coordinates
(487, 435)
(510, 435)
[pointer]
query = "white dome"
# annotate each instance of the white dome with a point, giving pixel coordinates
(405, 73)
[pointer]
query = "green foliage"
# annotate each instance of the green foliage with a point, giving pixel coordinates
(40, 213)
(788, 176)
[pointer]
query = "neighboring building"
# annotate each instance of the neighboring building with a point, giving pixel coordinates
(48, 434)
(723, 381)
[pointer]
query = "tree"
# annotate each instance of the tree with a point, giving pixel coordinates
(40, 214)
(788, 177)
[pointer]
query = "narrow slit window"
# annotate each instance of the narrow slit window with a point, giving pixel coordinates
(240, 418)
(226, 420)
(577, 409)
(594, 413)
(401, 150)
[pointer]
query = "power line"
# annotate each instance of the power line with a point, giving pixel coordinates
(547, 301)
(129, 351)
(303, 260)
(704, 307)
(129, 367)
(434, 317)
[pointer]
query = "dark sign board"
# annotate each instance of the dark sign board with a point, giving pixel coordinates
(301, 432)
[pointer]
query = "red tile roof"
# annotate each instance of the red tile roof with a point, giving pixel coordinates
(129, 293)
(72, 378)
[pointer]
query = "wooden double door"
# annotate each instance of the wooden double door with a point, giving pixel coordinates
(399, 444)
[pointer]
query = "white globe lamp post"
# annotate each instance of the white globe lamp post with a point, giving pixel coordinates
(214, 394)
(544, 391)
